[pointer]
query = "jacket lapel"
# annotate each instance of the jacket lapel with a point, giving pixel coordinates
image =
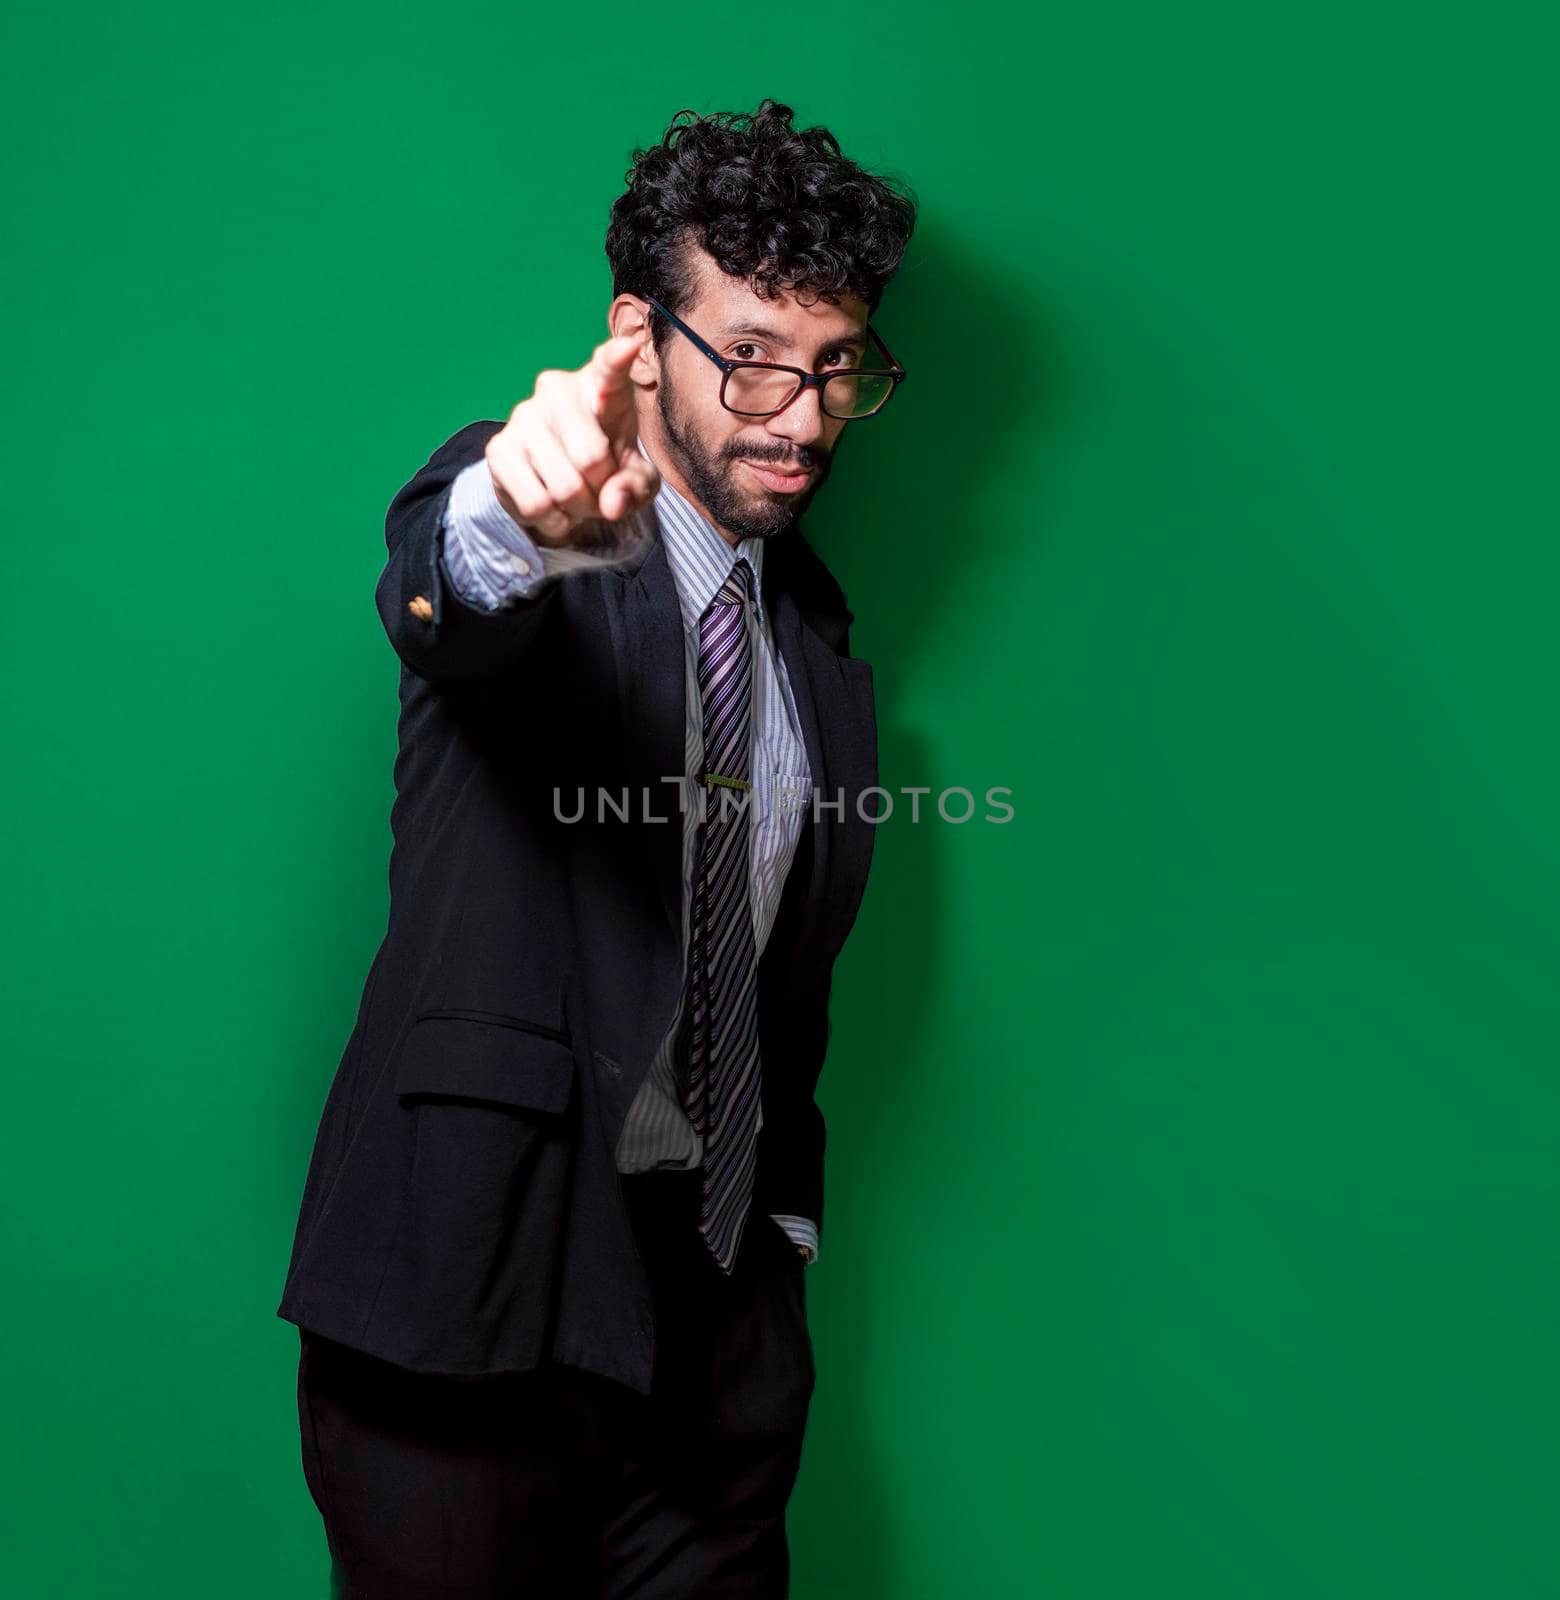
(829, 708)
(652, 683)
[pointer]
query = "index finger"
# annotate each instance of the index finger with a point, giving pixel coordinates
(610, 360)
(605, 389)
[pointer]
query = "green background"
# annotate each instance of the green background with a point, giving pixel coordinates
(1195, 1137)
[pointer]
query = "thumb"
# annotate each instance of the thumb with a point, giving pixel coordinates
(633, 486)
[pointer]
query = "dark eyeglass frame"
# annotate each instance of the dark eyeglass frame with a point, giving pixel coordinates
(807, 380)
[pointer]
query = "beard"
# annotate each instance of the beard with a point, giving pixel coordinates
(756, 513)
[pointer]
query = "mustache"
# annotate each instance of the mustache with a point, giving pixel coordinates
(808, 462)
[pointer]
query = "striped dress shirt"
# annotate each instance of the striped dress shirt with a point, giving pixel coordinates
(491, 562)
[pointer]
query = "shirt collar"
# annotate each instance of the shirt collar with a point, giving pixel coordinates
(700, 558)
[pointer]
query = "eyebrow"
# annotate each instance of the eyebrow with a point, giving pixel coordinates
(856, 341)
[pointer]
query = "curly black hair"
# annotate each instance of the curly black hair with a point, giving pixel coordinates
(776, 205)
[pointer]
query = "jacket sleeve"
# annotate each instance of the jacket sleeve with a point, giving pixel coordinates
(439, 635)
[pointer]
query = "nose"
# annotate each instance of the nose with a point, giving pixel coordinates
(801, 421)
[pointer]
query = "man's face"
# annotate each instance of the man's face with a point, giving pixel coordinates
(753, 475)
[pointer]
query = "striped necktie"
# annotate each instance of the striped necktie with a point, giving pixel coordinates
(722, 1094)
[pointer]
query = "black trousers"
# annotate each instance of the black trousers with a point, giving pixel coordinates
(559, 1484)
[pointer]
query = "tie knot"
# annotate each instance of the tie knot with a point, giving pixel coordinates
(738, 585)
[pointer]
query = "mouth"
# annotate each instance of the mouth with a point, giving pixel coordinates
(783, 482)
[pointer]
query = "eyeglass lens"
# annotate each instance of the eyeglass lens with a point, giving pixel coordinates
(758, 391)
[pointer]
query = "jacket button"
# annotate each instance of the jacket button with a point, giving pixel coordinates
(420, 608)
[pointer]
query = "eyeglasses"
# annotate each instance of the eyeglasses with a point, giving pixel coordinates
(761, 388)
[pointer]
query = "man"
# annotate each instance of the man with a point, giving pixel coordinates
(548, 1267)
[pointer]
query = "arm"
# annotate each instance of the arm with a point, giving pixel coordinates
(438, 634)
(793, 1126)
(566, 465)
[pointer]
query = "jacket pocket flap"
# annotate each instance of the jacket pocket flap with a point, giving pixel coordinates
(479, 1060)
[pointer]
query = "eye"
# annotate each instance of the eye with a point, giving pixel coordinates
(841, 358)
(737, 350)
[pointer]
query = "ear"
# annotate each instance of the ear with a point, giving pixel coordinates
(628, 314)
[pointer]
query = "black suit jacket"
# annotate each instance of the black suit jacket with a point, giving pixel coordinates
(462, 1211)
